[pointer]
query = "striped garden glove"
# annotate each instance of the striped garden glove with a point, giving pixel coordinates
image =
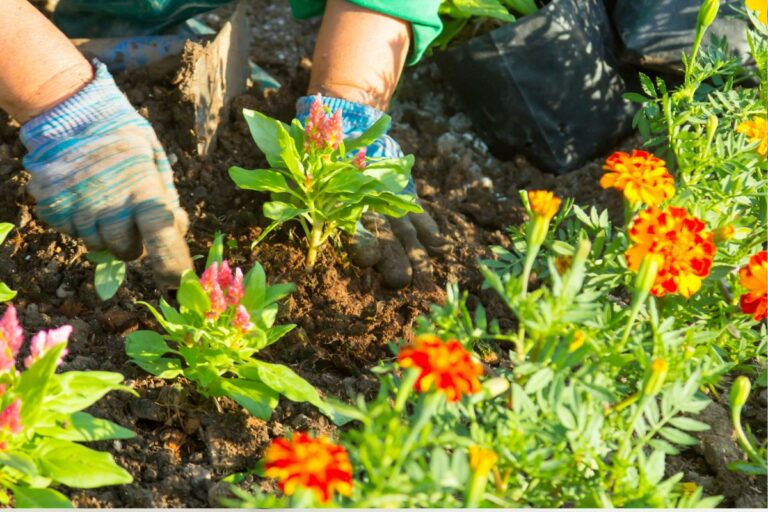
(99, 173)
(399, 248)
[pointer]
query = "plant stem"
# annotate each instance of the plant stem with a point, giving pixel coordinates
(315, 241)
(741, 437)
(632, 316)
(427, 409)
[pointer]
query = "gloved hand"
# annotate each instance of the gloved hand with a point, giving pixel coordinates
(399, 248)
(99, 173)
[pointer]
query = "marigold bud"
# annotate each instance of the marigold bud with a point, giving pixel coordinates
(577, 343)
(481, 460)
(707, 13)
(646, 274)
(740, 392)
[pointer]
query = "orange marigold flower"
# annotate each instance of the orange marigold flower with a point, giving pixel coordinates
(756, 130)
(446, 366)
(310, 463)
(754, 277)
(543, 203)
(642, 177)
(682, 244)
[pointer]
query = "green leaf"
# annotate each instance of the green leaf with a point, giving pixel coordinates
(261, 180)
(84, 427)
(6, 293)
(5, 228)
(28, 497)
(19, 461)
(690, 424)
(192, 296)
(264, 132)
(286, 382)
(677, 436)
(278, 291)
(255, 288)
(75, 391)
(255, 397)
(147, 348)
(216, 253)
(538, 380)
(368, 137)
(282, 212)
(33, 384)
(290, 155)
(76, 466)
(393, 173)
(487, 8)
(108, 276)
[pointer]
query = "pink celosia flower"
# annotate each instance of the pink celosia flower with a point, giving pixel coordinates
(359, 159)
(236, 288)
(11, 339)
(242, 319)
(10, 418)
(224, 287)
(320, 131)
(46, 340)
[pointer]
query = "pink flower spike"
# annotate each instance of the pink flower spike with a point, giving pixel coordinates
(10, 418)
(359, 159)
(11, 339)
(46, 340)
(225, 275)
(236, 288)
(333, 130)
(210, 277)
(242, 319)
(218, 301)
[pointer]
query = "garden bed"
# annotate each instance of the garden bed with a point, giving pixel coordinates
(345, 316)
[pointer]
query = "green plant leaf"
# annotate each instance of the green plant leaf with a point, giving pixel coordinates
(255, 288)
(76, 466)
(29, 497)
(290, 155)
(192, 296)
(33, 384)
(255, 397)
(282, 212)
(6, 293)
(147, 348)
(19, 461)
(82, 426)
(216, 252)
(264, 132)
(74, 391)
(370, 135)
(5, 228)
(261, 180)
(108, 275)
(286, 382)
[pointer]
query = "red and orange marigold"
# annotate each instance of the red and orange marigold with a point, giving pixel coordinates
(682, 244)
(444, 366)
(754, 277)
(642, 177)
(316, 464)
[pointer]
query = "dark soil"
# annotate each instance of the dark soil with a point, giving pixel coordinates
(345, 316)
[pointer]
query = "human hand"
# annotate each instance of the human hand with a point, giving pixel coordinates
(400, 248)
(100, 173)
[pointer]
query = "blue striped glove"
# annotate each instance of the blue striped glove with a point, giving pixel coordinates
(99, 173)
(399, 248)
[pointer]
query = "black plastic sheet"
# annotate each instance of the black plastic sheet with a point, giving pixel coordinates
(547, 86)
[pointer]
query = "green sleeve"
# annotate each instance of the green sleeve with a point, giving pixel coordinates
(422, 14)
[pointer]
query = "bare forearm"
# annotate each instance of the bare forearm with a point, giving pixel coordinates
(39, 67)
(359, 54)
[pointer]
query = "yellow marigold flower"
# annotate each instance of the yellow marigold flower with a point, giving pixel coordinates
(481, 460)
(680, 243)
(756, 130)
(642, 177)
(754, 277)
(445, 366)
(315, 464)
(688, 488)
(761, 7)
(578, 341)
(543, 203)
